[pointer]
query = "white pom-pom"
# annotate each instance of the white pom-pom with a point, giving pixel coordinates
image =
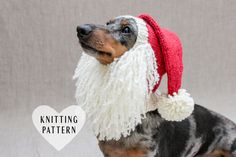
(176, 107)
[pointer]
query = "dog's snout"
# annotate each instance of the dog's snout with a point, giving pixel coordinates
(84, 31)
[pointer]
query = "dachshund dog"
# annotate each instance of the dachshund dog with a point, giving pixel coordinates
(203, 133)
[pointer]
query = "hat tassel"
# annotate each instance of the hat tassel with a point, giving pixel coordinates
(176, 107)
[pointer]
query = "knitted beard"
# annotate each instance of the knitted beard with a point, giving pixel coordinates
(115, 96)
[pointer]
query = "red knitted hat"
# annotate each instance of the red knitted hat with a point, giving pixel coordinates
(178, 104)
(168, 52)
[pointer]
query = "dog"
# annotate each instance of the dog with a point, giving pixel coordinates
(203, 133)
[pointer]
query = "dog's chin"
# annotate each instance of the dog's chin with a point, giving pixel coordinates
(94, 52)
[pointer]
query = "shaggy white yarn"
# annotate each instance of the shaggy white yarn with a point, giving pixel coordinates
(115, 96)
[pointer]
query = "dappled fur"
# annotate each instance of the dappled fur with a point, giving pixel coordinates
(201, 133)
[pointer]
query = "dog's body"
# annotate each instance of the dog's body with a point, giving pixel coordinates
(200, 134)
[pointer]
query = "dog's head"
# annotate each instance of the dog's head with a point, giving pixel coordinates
(109, 41)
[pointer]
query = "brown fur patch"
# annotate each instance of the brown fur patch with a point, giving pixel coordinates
(101, 40)
(114, 149)
(124, 22)
(219, 153)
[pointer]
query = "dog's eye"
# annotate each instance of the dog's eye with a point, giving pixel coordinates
(126, 30)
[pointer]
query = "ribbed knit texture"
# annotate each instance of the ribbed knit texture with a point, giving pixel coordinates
(168, 52)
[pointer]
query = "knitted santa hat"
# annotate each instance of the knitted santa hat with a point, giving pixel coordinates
(177, 104)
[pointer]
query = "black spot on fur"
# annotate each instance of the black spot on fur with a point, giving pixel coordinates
(189, 150)
(172, 138)
(233, 147)
(205, 122)
(152, 148)
(123, 41)
(208, 141)
(154, 115)
(202, 120)
(139, 129)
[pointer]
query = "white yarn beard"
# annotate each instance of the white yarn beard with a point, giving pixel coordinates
(115, 96)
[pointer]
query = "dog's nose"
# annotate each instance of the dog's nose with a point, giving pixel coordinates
(83, 31)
